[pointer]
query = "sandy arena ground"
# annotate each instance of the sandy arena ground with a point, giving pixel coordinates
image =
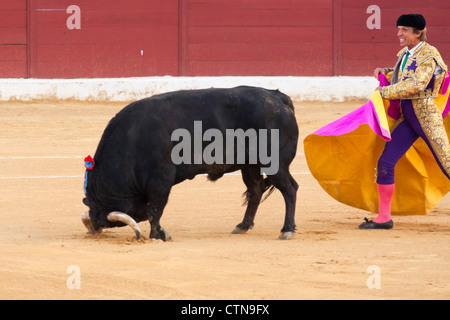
(42, 238)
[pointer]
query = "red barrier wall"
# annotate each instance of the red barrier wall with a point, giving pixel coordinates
(128, 38)
(258, 37)
(115, 39)
(13, 39)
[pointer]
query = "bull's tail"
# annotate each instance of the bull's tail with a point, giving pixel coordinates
(267, 186)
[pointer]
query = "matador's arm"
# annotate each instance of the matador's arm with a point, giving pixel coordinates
(412, 86)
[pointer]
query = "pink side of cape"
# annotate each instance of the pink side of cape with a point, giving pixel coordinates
(444, 88)
(365, 114)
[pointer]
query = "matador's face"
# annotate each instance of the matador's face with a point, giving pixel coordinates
(408, 37)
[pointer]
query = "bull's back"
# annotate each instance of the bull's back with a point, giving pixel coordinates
(241, 107)
(150, 122)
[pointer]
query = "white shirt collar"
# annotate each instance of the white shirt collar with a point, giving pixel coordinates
(411, 52)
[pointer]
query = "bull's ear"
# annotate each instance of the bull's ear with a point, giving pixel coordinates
(86, 201)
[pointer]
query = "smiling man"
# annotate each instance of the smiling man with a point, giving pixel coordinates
(416, 81)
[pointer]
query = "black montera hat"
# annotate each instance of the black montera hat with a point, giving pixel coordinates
(412, 20)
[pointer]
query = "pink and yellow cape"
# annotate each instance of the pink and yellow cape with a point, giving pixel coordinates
(343, 156)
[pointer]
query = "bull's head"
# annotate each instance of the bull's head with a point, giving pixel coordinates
(112, 217)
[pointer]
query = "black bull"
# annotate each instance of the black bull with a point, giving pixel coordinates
(134, 168)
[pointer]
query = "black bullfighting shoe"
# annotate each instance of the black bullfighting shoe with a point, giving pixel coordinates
(374, 225)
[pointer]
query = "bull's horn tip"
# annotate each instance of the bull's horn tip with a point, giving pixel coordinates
(123, 217)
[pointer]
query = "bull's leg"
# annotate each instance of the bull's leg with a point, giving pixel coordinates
(154, 215)
(284, 182)
(255, 189)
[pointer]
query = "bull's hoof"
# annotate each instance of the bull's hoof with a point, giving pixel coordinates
(162, 234)
(238, 230)
(167, 236)
(242, 228)
(286, 235)
(95, 231)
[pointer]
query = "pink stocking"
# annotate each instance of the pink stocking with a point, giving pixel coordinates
(385, 191)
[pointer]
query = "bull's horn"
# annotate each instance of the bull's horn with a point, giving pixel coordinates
(87, 222)
(123, 217)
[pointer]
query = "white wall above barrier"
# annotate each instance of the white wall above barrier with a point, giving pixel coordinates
(128, 89)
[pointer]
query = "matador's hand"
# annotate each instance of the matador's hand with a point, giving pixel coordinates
(377, 71)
